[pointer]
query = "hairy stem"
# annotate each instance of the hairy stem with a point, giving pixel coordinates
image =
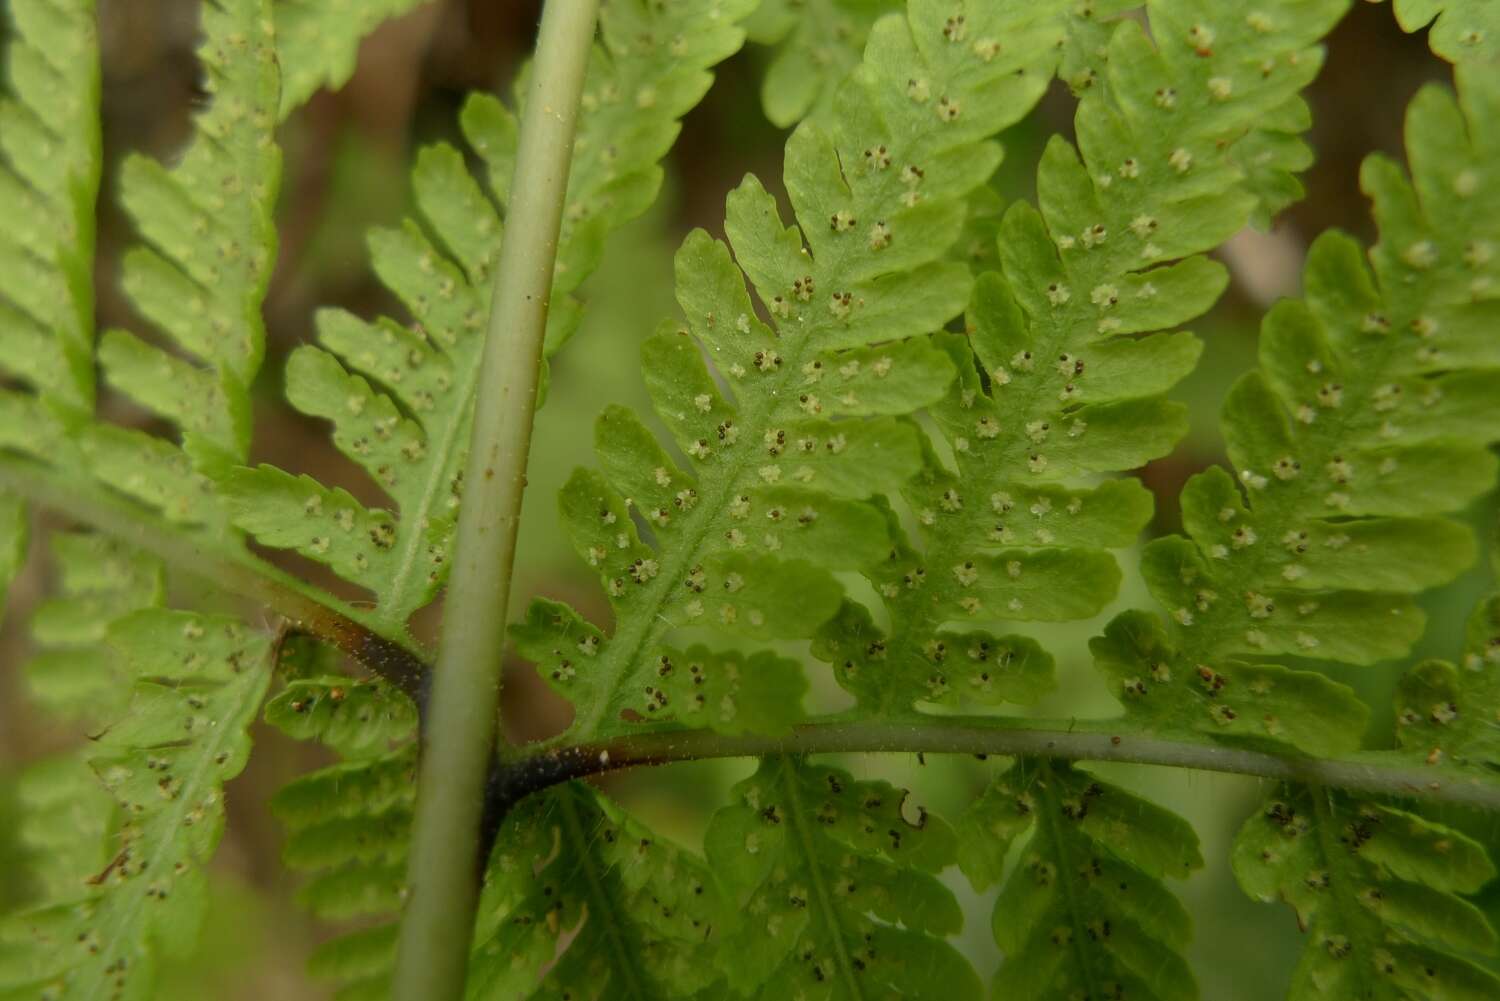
(462, 718)
(221, 562)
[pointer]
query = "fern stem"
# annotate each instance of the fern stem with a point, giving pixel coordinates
(462, 719)
(223, 563)
(1380, 772)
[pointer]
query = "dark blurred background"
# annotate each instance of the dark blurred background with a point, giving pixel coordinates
(346, 160)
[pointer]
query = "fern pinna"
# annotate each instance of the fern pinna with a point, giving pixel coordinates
(894, 419)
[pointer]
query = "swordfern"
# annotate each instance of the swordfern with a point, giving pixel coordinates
(833, 419)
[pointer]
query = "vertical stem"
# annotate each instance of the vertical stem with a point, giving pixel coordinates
(461, 722)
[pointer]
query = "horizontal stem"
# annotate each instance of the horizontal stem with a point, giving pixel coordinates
(223, 563)
(1379, 772)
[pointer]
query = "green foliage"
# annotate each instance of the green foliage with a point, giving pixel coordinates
(1083, 911)
(643, 910)
(1377, 890)
(1458, 30)
(349, 823)
(195, 684)
(832, 885)
(879, 194)
(832, 428)
(401, 397)
(317, 40)
(1448, 712)
(99, 582)
(1363, 424)
(49, 177)
(1055, 382)
(817, 44)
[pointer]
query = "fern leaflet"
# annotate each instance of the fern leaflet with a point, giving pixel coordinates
(196, 684)
(317, 41)
(835, 890)
(818, 43)
(1458, 30)
(49, 178)
(1364, 423)
(643, 910)
(1084, 913)
(199, 278)
(1377, 889)
(401, 398)
(1447, 712)
(1054, 385)
(880, 198)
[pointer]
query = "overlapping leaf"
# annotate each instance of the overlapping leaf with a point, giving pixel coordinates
(1378, 892)
(772, 500)
(1056, 383)
(401, 397)
(833, 884)
(317, 42)
(196, 684)
(1368, 418)
(1085, 912)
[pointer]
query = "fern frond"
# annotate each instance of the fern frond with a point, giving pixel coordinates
(49, 179)
(641, 912)
(1367, 419)
(835, 889)
(199, 277)
(773, 499)
(197, 682)
(401, 398)
(817, 43)
(1055, 384)
(1378, 890)
(1458, 30)
(317, 42)
(1084, 913)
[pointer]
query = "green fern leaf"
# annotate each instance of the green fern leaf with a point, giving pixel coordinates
(835, 890)
(774, 497)
(817, 43)
(1447, 712)
(1085, 912)
(1367, 419)
(317, 42)
(1458, 30)
(197, 683)
(1378, 891)
(640, 911)
(349, 824)
(400, 398)
(1055, 384)
(49, 178)
(200, 276)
